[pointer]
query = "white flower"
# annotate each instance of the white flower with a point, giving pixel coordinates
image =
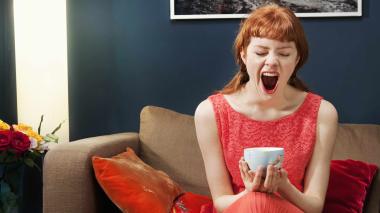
(44, 147)
(33, 143)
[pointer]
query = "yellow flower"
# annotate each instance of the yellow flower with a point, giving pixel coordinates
(27, 130)
(22, 127)
(4, 126)
(34, 135)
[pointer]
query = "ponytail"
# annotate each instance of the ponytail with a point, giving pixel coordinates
(236, 83)
(297, 83)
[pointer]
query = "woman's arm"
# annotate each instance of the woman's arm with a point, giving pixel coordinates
(318, 170)
(216, 172)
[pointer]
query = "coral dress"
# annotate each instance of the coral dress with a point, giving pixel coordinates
(296, 133)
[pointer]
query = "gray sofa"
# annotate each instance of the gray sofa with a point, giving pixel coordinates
(166, 141)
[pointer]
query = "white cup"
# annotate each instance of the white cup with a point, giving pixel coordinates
(263, 156)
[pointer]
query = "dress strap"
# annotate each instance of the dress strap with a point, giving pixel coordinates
(310, 107)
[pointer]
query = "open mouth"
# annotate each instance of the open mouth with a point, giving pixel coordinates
(269, 80)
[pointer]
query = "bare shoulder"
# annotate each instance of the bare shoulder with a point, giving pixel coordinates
(205, 123)
(327, 124)
(327, 113)
(204, 112)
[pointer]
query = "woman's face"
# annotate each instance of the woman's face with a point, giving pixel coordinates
(270, 63)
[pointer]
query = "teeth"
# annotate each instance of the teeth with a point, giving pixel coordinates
(270, 74)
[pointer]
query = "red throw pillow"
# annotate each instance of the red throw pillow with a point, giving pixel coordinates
(134, 186)
(190, 203)
(348, 185)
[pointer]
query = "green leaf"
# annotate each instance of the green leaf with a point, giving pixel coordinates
(39, 126)
(7, 197)
(29, 162)
(30, 159)
(4, 186)
(33, 155)
(57, 128)
(51, 138)
(13, 175)
(10, 157)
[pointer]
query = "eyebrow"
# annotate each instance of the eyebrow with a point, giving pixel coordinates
(264, 47)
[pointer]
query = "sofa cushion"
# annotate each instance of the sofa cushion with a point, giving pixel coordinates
(169, 143)
(134, 186)
(348, 185)
(361, 142)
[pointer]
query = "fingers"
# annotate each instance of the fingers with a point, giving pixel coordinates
(257, 179)
(242, 168)
(246, 174)
(269, 180)
(246, 167)
(273, 179)
(251, 175)
(263, 179)
(277, 161)
(283, 173)
(273, 176)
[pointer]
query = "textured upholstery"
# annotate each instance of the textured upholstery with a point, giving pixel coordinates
(167, 141)
(361, 142)
(69, 184)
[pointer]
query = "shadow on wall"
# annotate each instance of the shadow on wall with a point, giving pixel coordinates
(8, 106)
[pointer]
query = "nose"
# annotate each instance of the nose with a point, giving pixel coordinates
(271, 60)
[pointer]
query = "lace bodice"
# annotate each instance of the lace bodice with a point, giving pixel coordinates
(296, 133)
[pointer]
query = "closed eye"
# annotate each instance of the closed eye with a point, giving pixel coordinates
(260, 53)
(284, 54)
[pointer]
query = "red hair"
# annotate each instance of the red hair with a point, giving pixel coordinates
(273, 22)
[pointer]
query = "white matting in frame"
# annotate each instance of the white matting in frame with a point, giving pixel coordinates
(221, 9)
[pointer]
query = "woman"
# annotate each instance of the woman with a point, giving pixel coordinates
(266, 105)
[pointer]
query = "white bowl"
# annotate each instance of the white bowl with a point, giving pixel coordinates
(263, 156)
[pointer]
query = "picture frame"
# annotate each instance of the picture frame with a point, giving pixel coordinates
(227, 9)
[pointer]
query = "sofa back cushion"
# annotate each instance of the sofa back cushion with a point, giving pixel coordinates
(169, 143)
(361, 142)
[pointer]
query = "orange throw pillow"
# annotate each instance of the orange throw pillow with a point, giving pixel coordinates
(134, 186)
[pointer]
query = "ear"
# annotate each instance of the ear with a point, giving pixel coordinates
(243, 56)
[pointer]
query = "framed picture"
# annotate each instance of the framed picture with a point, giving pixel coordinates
(218, 9)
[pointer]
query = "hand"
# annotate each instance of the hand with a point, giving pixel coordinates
(275, 177)
(259, 181)
(253, 181)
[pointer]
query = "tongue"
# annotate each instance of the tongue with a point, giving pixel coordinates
(269, 82)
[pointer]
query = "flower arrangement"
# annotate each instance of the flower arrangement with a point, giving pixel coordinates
(19, 145)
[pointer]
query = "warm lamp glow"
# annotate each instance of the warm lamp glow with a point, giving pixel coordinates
(41, 64)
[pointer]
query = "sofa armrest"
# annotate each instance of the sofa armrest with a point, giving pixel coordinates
(69, 183)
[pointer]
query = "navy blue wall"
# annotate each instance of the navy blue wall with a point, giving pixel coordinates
(124, 55)
(8, 106)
